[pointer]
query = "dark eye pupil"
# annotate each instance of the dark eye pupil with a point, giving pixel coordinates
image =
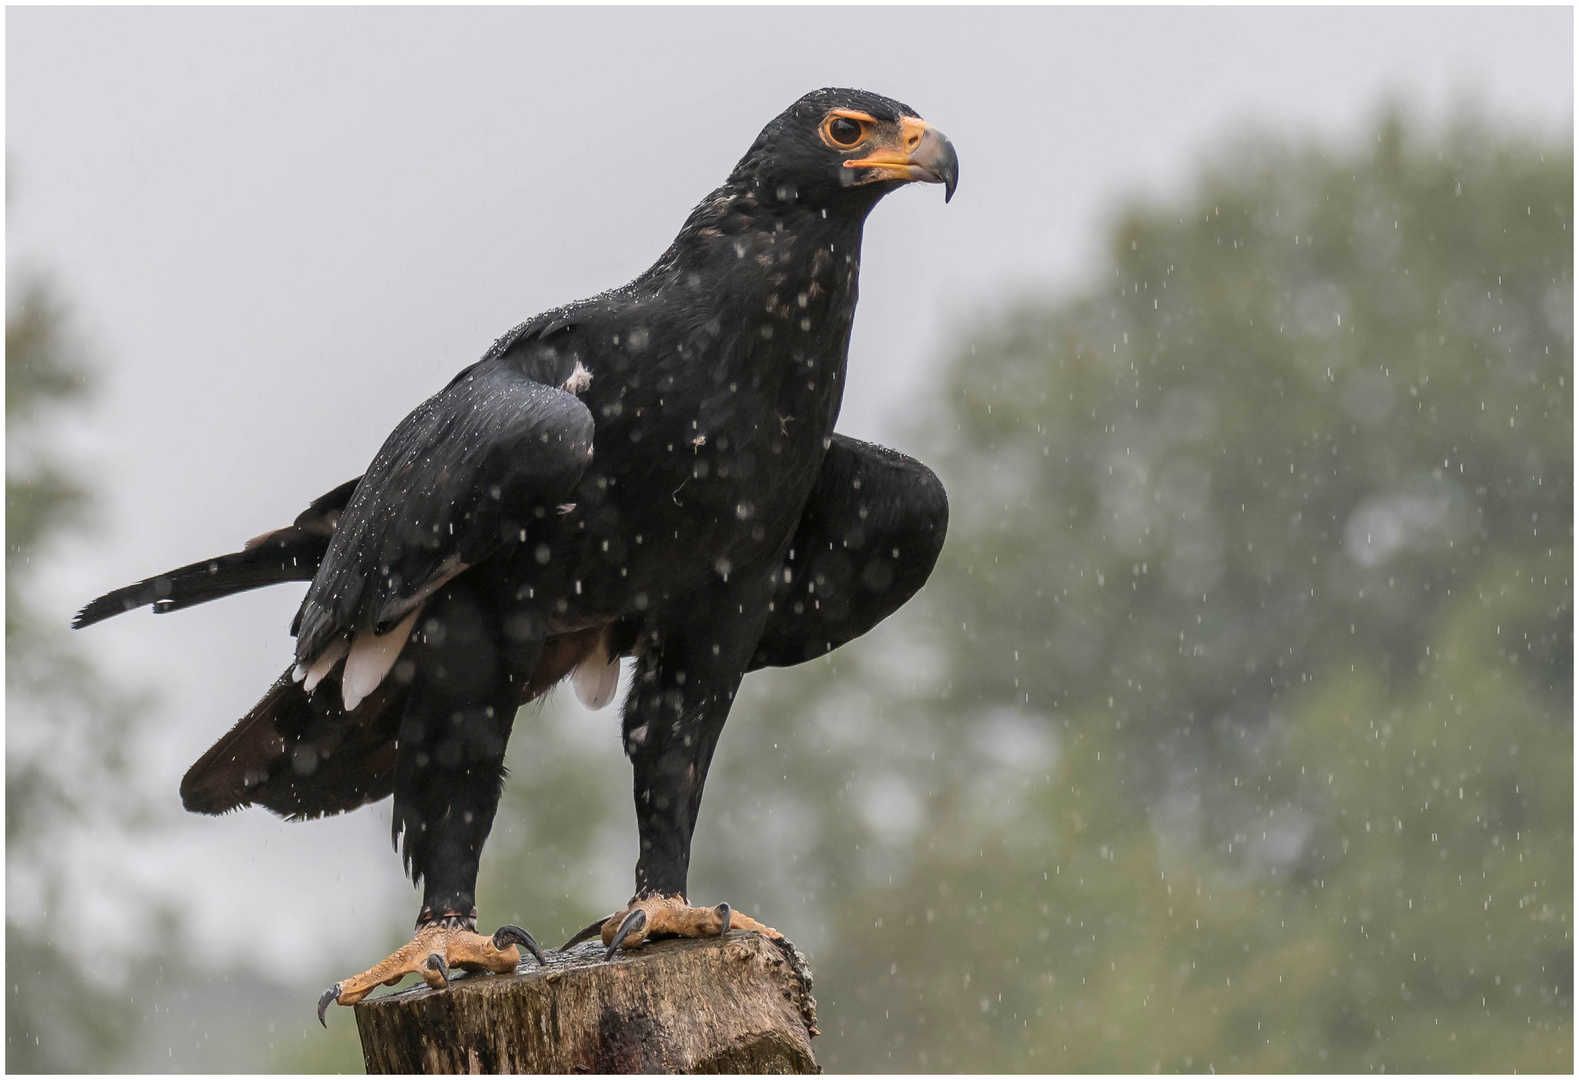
(844, 132)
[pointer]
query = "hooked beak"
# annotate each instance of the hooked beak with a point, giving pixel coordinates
(924, 153)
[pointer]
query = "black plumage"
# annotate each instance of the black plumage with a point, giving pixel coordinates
(652, 472)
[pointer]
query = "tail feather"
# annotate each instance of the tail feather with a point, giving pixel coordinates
(301, 755)
(289, 554)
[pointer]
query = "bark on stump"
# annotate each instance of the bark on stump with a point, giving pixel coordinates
(738, 1004)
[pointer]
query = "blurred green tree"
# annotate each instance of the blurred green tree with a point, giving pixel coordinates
(80, 997)
(65, 730)
(1234, 730)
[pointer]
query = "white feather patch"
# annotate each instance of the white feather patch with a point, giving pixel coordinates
(579, 379)
(325, 663)
(596, 678)
(372, 655)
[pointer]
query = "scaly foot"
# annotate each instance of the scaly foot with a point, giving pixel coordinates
(438, 946)
(653, 917)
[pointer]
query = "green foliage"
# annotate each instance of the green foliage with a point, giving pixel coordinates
(1234, 729)
(59, 1017)
(81, 999)
(41, 375)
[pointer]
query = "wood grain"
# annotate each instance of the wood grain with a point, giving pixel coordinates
(739, 1004)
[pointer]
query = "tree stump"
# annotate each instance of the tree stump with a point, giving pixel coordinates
(737, 1004)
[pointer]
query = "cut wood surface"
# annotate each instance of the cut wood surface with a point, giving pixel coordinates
(738, 1004)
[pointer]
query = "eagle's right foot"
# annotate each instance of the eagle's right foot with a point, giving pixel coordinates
(652, 917)
(438, 946)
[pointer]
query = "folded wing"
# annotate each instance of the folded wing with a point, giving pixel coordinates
(468, 472)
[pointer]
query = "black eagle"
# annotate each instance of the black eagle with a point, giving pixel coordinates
(651, 473)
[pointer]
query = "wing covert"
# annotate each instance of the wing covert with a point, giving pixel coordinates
(462, 475)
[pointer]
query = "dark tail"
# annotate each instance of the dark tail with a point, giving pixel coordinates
(289, 554)
(301, 755)
(279, 557)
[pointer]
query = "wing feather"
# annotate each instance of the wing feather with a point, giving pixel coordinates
(466, 473)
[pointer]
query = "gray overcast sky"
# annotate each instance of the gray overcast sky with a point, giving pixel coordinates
(280, 229)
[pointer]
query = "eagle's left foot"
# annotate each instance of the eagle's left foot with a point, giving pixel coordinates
(654, 917)
(437, 947)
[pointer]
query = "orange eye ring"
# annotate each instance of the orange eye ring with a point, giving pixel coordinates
(845, 130)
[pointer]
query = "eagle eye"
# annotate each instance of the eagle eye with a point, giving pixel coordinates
(843, 131)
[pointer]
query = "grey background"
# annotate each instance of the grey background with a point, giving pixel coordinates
(280, 229)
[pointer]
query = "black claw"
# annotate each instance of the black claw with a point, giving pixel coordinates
(723, 913)
(585, 934)
(506, 936)
(436, 963)
(632, 925)
(330, 996)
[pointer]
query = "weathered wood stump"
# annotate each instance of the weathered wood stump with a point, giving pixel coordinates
(738, 1004)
